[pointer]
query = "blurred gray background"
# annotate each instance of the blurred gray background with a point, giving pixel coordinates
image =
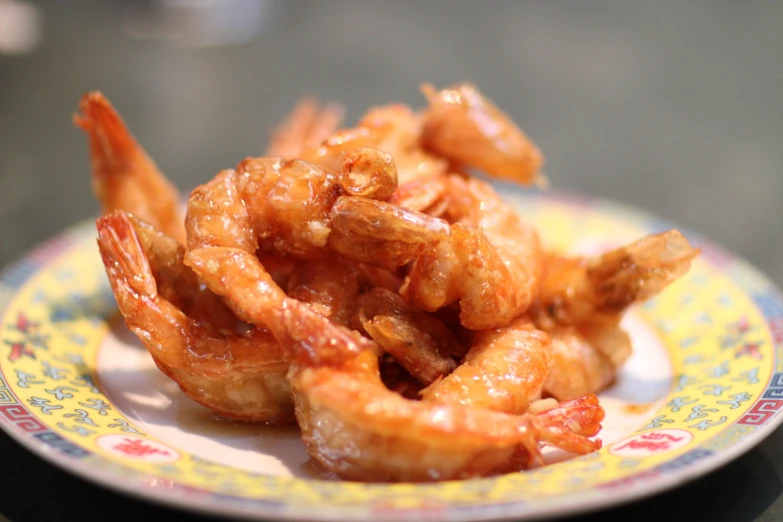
(675, 107)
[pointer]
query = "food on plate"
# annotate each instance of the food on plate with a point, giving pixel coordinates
(504, 370)
(489, 262)
(236, 375)
(357, 429)
(581, 302)
(463, 126)
(124, 177)
(364, 283)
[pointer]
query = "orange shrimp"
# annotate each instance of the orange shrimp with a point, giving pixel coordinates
(295, 208)
(382, 234)
(577, 290)
(582, 301)
(462, 125)
(491, 262)
(393, 129)
(504, 371)
(306, 126)
(420, 343)
(584, 363)
(177, 283)
(357, 429)
(330, 287)
(124, 177)
(237, 376)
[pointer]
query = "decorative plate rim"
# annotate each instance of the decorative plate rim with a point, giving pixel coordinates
(193, 500)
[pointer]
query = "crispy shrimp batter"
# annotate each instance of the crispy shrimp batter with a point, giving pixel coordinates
(362, 282)
(490, 263)
(582, 301)
(357, 429)
(238, 376)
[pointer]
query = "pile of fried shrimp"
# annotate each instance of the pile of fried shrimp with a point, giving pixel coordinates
(365, 283)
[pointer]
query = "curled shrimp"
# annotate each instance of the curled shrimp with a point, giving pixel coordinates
(490, 263)
(420, 343)
(504, 370)
(585, 362)
(462, 125)
(237, 376)
(296, 208)
(177, 283)
(582, 301)
(124, 177)
(576, 290)
(357, 429)
(395, 130)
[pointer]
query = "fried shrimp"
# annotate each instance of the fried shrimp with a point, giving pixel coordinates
(237, 376)
(490, 263)
(357, 429)
(296, 208)
(306, 126)
(585, 362)
(393, 129)
(504, 371)
(577, 290)
(462, 125)
(582, 301)
(419, 342)
(361, 281)
(124, 177)
(177, 283)
(330, 287)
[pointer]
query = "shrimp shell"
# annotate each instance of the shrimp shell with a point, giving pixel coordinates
(357, 429)
(577, 291)
(124, 177)
(237, 376)
(462, 125)
(419, 342)
(306, 126)
(504, 370)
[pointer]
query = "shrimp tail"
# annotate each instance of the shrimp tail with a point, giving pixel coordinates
(569, 425)
(307, 125)
(111, 144)
(124, 177)
(238, 376)
(639, 271)
(128, 268)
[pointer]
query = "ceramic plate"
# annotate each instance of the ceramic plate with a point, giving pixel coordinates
(704, 385)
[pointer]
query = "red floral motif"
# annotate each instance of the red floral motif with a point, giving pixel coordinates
(137, 448)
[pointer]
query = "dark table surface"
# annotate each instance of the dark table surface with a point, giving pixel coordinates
(670, 106)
